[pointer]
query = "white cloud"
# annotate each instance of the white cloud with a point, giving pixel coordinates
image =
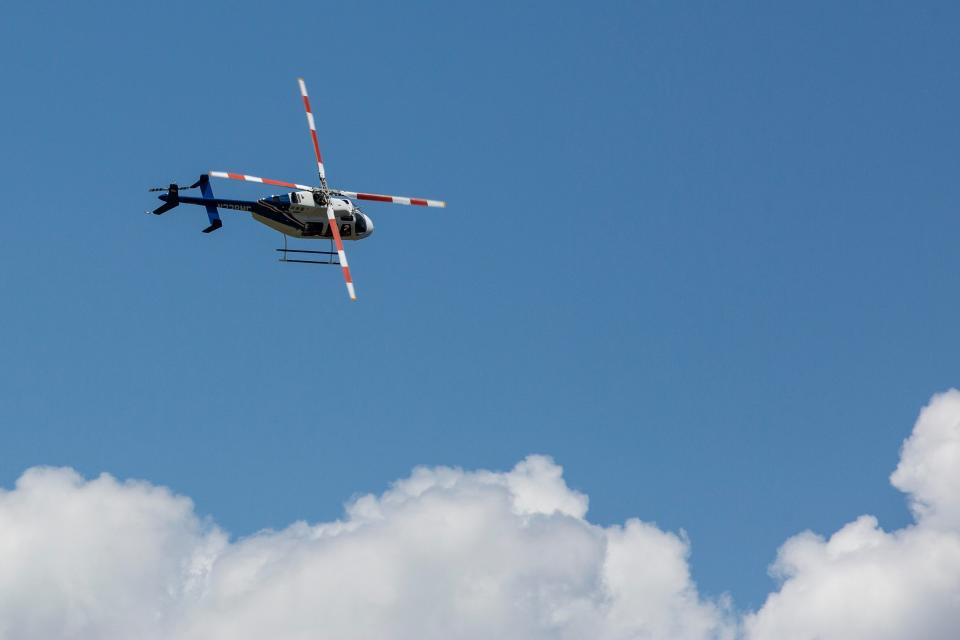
(447, 553)
(97, 559)
(444, 553)
(929, 469)
(864, 582)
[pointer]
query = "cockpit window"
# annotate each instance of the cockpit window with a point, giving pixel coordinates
(361, 225)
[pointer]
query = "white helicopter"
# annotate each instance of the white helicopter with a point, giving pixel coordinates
(309, 212)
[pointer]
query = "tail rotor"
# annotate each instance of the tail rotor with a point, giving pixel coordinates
(170, 200)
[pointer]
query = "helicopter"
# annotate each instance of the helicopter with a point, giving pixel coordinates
(308, 212)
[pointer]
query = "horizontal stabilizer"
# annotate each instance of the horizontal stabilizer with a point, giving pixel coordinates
(162, 209)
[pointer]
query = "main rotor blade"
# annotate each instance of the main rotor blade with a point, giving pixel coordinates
(394, 199)
(335, 228)
(246, 178)
(313, 132)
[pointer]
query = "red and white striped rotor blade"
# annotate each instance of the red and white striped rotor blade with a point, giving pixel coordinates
(246, 178)
(422, 202)
(341, 255)
(313, 132)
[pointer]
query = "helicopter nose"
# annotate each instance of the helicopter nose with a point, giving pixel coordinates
(369, 222)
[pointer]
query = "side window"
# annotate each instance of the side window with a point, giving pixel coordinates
(345, 229)
(295, 198)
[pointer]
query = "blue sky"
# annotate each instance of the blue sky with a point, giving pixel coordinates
(704, 256)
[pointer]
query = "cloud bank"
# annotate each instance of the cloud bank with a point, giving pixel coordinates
(448, 553)
(863, 582)
(443, 553)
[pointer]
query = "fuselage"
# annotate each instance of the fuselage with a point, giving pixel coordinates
(296, 214)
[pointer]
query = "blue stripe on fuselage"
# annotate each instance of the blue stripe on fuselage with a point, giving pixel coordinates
(276, 210)
(237, 205)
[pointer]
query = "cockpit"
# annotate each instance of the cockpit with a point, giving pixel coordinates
(352, 222)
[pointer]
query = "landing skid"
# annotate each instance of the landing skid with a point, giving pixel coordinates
(330, 255)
